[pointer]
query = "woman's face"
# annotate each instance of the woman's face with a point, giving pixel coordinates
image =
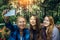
(21, 22)
(33, 20)
(46, 21)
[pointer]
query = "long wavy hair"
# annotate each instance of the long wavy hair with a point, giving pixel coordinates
(36, 26)
(37, 23)
(50, 28)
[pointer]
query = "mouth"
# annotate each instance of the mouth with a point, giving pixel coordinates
(32, 22)
(21, 25)
(44, 23)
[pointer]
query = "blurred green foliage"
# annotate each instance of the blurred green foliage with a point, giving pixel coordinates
(48, 7)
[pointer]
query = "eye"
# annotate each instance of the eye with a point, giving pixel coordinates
(20, 22)
(23, 21)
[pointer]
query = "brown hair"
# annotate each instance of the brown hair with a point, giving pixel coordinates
(50, 28)
(37, 28)
(37, 23)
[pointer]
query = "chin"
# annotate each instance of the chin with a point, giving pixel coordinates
(21, 28)
(45, 25)
(33, 25)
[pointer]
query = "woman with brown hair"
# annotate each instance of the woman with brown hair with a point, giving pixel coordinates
(34, 28)
(52, 31)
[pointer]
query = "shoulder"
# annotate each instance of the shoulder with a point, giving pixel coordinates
(55, 29)
(55, 32)
(15, 25)
(12, 35)
(26, 30)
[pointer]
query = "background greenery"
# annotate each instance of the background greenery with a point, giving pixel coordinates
(48, 7)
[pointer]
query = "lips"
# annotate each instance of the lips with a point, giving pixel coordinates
(21, 25)
(32, 22)
(44, 23)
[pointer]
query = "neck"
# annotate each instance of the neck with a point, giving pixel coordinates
(34, 28)
(21, 32)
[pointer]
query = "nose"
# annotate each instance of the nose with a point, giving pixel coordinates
(32, 20)
(44, 22)
(22, 23)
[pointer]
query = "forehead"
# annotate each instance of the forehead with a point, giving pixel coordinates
(33, 17)
(21, 19)
(46, 18)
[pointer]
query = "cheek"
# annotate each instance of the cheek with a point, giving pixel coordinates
(49, 23)
(18, 24)
(32, 21)
(46, 23)
(25, 23)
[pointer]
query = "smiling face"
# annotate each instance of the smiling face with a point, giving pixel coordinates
(46, 21)
(21, 22)
(33, 20)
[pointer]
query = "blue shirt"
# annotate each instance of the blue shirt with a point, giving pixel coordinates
(15, 33)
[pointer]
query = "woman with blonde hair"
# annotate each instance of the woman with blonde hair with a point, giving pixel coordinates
(52, 31)
(18, 31)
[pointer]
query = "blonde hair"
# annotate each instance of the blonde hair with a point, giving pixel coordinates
(20, 17)
(50, 28)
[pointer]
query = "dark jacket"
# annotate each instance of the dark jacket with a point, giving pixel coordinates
(43, 33)
(15, 33)
(34, 35)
